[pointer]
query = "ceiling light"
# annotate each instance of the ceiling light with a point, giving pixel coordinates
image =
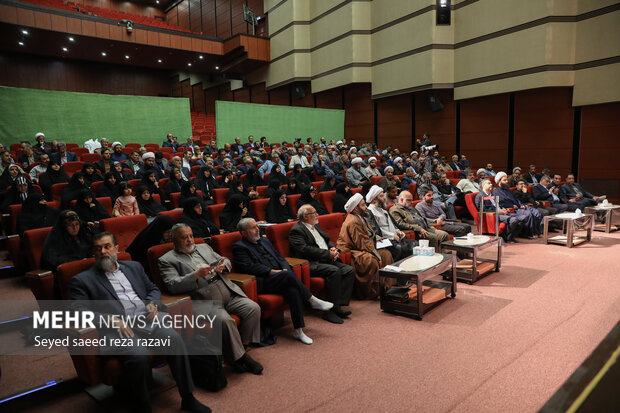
(25, 32)
(201, 57)
(71, 39)
(64, 49)
(104, 54)
(158, 60)
(217, 68)
(157, 1)
(189, 64)
(126, 56)
(20, 43)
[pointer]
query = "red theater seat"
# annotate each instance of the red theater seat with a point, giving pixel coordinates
(90, 157)
(72, 167)
(41, 282)
(124, 228)
(57, 191)
(219, 194)
(214, 211)
(488, 221)
(151, 147)
(326, 198)
(292, 201)
(258, 208)
(175, 214)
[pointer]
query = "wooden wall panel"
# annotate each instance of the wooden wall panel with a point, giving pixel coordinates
(280, 96)
(544, 129)
(176, 87)
(440, 125)
(259, 94)
(484, 131)
(198, 97)
(195, 16)
(329, 99)
(222, 11)
(359, 120)
(211, 95)
(242, 95)
(186, 92)
(208, 17)
(599, 168)
(172, 17)
(394, 122)
(40, 72)
(183, 12)
(225, 92)
(238, 24)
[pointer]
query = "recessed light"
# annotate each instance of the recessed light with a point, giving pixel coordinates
(201, 57)
(20, 43)
(64, 49)
(25, 32)
(217, 68)
(157, 1)
(126, 56)
(158, 60)
(104, 54)
(189, 64)
(71, 39)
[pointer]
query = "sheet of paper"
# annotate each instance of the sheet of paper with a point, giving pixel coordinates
(384, 243)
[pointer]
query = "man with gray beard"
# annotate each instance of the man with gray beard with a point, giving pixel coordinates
(131, 293)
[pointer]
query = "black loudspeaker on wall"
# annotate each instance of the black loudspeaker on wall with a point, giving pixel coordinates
(433, 102)
(300, 93)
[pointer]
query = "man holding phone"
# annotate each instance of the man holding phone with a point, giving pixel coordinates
(200, 272)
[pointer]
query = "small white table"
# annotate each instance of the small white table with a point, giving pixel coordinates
(611, 211)
(571, 223)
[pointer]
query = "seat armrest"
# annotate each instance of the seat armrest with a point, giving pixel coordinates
(169, 301)
(453, 220)
(294, 262)
(246, 282)
(301, 268)
(38, 274)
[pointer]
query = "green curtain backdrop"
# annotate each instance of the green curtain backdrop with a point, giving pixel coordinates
(78, 117)
(277, 123)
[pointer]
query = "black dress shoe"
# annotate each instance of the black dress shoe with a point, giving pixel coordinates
(332, 317)
(342, 313)
(247, 363)
(190, 404)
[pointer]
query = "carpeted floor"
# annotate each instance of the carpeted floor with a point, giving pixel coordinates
(504, 344)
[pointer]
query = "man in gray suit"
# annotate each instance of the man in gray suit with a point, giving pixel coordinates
(199, 271)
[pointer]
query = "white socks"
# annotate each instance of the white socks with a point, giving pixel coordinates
(320, 304)
(299, 335)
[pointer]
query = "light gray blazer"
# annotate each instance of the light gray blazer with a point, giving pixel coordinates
(178, 273)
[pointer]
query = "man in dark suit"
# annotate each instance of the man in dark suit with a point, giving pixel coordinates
(106, 164)
(532, 177)
(575, 193)
(308, 241)
(187, 269)
(131, 293)
(543, 193)
(255, 255)
(455, 165)
(63, 155)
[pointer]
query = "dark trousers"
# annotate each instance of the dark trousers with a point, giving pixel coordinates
(136, 364)
(295, 293)
(457, 229)
(339, 280)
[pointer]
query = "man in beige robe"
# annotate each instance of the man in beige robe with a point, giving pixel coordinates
(357, 236)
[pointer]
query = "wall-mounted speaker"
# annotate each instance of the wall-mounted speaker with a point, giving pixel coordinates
(300, 92)
(442, 14)
(434, 103)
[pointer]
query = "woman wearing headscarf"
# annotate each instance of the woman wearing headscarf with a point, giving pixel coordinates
(293, 187)
(175, 180)
(273, 187)
(232, 213)
(9, 176)
(121, 173)
(239, 190)
(35, 214)
(90, 174)
(89, 209)
(188, 190)
(155, 233)
(151, 182)
(301, 176)
(308, 196)
(69, 240)
(18, 193)
(329, 184)
(278, 208)
(53, 175)
(147, 204)
(252, 179)
(206, 183)
(343, 193)
(110, 187)
(277, 174)
(195, 215)
(72, 190)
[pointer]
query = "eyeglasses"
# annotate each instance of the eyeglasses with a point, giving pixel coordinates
(311, 213)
